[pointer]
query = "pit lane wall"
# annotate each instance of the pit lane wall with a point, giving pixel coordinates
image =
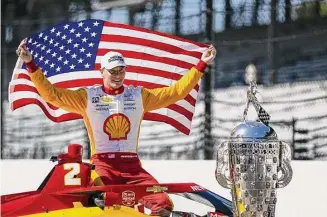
(304, 197)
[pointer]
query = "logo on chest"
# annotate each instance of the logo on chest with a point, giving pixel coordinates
(106, 99)
(95, 99)
(117, 126)
(128, 96)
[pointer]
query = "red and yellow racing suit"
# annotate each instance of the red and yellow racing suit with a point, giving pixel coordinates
(113, 118)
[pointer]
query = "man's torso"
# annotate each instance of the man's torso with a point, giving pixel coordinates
(114, 119)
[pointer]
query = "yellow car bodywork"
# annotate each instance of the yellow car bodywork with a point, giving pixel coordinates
(80, 211)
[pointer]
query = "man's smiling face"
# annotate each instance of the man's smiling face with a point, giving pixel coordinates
(113, 78)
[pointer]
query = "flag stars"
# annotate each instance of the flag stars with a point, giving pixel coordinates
(66, 47)
(45, 72)
(96, 23)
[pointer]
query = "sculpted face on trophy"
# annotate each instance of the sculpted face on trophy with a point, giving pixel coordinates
(253, 163)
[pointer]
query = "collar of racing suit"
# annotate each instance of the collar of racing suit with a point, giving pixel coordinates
(112, 91)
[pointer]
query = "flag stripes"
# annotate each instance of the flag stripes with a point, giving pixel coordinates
(154, 60)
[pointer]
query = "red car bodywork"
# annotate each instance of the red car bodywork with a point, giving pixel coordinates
(68, 182)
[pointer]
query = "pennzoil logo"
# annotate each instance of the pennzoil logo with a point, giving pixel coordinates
(156, 189)
(117, 126)
(106, 99)
(128, 198)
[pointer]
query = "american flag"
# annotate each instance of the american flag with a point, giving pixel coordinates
(69, 54)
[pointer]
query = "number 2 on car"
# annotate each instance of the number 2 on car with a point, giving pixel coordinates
(71, 177)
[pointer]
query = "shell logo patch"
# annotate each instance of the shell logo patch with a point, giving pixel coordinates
(117, 126)
(106, 99)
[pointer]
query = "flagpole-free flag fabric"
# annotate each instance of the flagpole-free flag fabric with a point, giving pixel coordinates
(69, 54)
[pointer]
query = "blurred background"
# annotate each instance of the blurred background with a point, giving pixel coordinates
(285, 39)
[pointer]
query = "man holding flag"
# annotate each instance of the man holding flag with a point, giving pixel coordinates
(112, 113)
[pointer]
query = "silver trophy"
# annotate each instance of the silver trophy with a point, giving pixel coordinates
(254, 163)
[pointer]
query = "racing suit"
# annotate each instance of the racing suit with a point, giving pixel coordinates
(112, 118)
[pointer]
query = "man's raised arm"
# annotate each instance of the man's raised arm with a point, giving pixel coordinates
(70, 100)
(163, 97)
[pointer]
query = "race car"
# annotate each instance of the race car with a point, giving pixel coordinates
(66, 192)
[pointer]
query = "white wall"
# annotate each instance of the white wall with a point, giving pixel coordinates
(305, 196)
